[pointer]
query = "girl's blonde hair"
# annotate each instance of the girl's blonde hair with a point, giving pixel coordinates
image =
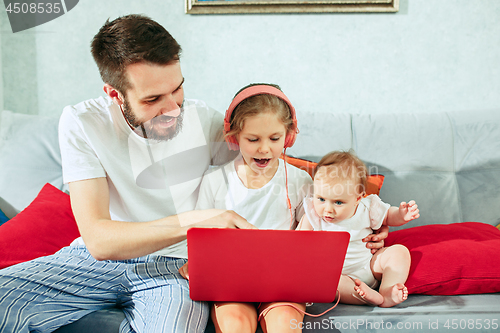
(345, 165)
(257, 104)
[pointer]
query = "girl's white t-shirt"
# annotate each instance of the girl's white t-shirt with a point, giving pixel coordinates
(266, 207)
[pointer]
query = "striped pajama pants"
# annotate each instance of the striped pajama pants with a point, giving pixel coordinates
(49, 292)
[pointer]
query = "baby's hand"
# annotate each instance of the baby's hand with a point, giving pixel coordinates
(409, 211)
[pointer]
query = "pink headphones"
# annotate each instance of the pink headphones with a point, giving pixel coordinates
(252, 91)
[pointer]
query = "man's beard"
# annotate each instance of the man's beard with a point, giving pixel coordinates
(150, 129)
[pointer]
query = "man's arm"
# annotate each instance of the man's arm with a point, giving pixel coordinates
(107, 239)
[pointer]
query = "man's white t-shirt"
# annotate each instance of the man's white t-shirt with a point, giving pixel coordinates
(266, 207)
(147, 179)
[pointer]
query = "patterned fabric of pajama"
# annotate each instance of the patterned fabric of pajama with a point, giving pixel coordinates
(49, 292)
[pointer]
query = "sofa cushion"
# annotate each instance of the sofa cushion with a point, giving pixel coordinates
(3, 217)
(41, 229)
(477, 164)
(30, 157)
(451, 259)
(438, 159)
(7, 209)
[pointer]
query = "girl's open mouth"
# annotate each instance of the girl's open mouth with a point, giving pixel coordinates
(262, 163)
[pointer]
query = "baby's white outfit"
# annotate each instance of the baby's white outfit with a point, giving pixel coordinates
(369, 215)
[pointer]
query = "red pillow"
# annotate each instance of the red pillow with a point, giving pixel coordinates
(42, 228)
(451, 259)
(373, 182)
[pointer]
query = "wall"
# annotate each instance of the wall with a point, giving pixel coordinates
(431, 56)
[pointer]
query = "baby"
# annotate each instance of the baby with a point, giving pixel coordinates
(338, 204)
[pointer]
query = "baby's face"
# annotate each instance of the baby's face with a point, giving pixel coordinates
(335, 198)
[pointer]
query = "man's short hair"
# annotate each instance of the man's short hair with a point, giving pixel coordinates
(127, 40)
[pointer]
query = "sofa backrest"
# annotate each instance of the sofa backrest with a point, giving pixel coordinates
(29, 157)
(449, 163)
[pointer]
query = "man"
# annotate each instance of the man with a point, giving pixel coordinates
(133, 161)
(106, 145)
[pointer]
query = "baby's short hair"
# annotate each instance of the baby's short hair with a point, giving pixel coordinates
(345, 165)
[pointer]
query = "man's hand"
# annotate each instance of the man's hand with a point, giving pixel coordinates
(214, 218)
(184, 271)
(375, 241)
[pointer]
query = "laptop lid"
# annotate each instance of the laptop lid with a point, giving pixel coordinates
(249, 265)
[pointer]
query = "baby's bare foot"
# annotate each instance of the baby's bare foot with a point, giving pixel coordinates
(395, 295)
(367, 294)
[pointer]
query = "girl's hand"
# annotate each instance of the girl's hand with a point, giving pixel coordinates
(184, 271)
(409, 211)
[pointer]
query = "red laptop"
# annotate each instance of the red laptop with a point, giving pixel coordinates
(249, 265)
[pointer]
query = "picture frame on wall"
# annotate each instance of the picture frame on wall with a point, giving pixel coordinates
(289, 6)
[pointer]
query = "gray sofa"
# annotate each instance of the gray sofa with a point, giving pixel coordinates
(448, 162)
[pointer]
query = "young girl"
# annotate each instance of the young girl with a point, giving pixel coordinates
(259, 186)
(260, 123)
(338, 205)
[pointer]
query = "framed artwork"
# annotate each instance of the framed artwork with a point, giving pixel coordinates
(289, 6)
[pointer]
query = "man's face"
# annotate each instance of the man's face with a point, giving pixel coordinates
(152, 105)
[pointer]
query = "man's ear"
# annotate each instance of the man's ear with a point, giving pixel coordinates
(113, 93)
